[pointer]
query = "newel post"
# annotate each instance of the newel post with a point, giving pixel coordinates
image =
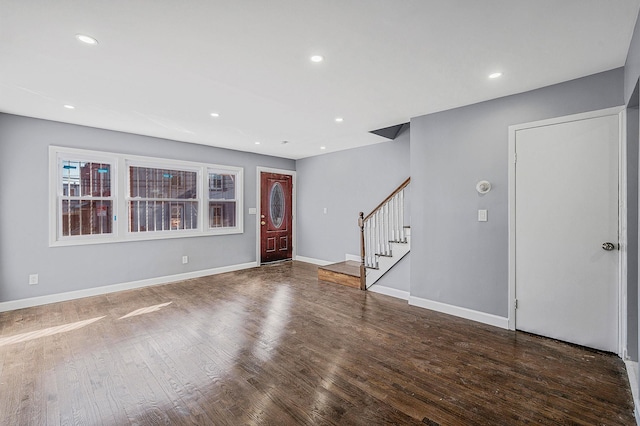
(363, 272)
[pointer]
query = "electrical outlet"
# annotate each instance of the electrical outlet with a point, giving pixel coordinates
(33, 279)
(185, 260)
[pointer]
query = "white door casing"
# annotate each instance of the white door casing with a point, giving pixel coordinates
(564, 207)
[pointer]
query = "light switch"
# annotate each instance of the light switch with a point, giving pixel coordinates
(482, 215)
(324, 210)
(253, 210)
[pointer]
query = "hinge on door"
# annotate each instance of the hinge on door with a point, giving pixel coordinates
(516, 303)
(515, 157)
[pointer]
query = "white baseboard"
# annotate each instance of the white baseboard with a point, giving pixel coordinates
(393, 292)
(71, 295)
(353, 257)
(457, 311)
(632, 373)
(314, 261)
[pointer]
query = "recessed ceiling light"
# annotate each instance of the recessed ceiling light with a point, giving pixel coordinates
(86, 39)
(257, 143)
(495, 75)
(215, 114)
(339, 119)
(317, 58)
(323, 147)
(69, 107)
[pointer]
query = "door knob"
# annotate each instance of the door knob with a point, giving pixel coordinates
(263, 223)
(608, 246)
(262, 216)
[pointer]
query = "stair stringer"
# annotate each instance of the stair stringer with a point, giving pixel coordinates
(385, 263)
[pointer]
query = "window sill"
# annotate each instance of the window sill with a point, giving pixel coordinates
(80, 241)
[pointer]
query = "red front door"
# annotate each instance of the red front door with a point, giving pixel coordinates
(275, 217)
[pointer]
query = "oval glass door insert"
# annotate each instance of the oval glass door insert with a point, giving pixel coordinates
(276, 205)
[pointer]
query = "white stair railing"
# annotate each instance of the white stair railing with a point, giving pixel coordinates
(383, 226)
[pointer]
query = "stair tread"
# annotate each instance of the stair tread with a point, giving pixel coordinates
(348, 267)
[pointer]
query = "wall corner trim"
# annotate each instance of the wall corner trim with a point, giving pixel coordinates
(318, 262)
(96, 291)
(457, 311)
(632, 373)
(389, 291)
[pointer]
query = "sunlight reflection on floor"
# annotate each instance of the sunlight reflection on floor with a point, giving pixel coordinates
(24, 337)
(65, 328)
(274, 324)
(146, 310)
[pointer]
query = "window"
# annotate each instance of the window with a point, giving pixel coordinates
(157, 198)
(222, 199)
(162, 199)
(215, 182)
(85, 201)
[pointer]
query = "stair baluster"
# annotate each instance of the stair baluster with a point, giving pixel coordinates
(385, 224)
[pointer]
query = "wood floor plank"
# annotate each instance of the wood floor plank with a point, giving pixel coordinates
(32, 400)
(272, 345)
(135, 396)
(11, 389)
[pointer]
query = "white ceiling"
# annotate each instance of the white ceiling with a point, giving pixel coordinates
(162, 66)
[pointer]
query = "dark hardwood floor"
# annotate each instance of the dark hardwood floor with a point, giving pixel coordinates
(272, 345)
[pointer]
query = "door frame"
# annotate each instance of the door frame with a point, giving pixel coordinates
(292, 173)
(620, 111)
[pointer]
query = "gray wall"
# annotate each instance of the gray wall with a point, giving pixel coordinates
(24, 225)
(346, 183)
(632, 65)
(456, 259)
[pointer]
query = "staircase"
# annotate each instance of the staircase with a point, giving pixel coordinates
(397, 250)
(384, 240)
(344, 273)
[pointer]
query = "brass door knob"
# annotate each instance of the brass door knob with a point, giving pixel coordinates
(263, 223)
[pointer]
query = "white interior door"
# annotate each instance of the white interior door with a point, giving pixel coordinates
(566, 207)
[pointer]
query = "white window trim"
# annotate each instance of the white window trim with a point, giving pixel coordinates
(119, 189)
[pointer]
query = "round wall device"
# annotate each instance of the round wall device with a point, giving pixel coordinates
(483, 186)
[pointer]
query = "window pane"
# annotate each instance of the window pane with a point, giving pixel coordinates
(162, 215)
(85, 217)
(147, 182)
(222, 186)
(222, 214)
(86, 179)
(71, 178)
(276, 205)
